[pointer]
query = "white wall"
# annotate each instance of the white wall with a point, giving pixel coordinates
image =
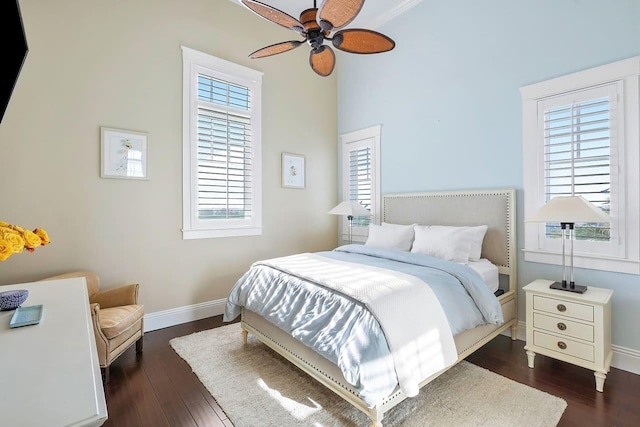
(118, 63)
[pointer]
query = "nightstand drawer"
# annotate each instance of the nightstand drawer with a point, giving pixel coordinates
(563, 308)
(563, 326)
(564, 346)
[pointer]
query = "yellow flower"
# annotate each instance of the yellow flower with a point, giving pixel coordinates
(7, 230)
(17, 228)
(6, 250)
(42, 234)
(15, 240)
(31, 240)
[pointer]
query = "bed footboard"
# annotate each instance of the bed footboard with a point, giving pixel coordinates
(329, 375)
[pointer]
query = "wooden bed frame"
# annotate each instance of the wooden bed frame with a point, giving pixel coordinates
(494, 208)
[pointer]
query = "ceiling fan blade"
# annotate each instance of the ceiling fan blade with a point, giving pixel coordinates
(273, 15)
(322, 60)
(362, 41)
(334, 14)
(275, 49)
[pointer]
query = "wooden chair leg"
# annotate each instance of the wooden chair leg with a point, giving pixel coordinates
(139, 344)
(106, 375)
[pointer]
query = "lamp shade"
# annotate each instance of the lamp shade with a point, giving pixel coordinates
(350, 209)
(569, 209)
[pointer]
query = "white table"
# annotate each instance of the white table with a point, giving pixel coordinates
(571, 327)
(49, 373)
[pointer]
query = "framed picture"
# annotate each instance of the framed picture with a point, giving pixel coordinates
(124, 154)
(293, 170)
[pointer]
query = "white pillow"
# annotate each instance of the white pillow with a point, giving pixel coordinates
(474, 234)
(390, 236)
(478, 232)
(450, 243)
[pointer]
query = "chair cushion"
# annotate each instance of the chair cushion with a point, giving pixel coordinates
(116, 320)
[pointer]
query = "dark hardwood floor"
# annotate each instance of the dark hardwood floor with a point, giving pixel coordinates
(157, 388)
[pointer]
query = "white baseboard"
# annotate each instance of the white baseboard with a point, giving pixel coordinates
(179, 315)
(624, 358)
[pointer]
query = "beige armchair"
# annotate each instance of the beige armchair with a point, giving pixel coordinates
(117, 318)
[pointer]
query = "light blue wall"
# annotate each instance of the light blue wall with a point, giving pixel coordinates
(448, 100)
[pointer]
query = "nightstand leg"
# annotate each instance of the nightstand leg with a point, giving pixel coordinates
(245, 333)
(514, 332)
(530, 357)
(600, 377)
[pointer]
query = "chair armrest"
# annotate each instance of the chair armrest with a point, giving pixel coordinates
(123, 295)
(102, 343)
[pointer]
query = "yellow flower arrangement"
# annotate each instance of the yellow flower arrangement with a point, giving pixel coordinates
(14, 239)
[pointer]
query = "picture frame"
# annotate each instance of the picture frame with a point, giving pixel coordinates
(294, 174)
(124, 154)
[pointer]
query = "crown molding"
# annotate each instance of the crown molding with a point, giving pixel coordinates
(391, 14)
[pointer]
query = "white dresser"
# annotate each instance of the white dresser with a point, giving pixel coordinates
(49, 373)
(571, 327)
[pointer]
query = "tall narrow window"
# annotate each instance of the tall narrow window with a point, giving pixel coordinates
(360, 178)
(222, 182)
(360, 175)
(580, 135)
(577, 158)
(224, 150)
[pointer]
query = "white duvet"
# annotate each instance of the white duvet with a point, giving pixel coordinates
(416, 328)
(377, 314)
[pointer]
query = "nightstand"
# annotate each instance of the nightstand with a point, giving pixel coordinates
(571, 327)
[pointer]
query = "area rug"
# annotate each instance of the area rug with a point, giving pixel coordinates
(256, 387)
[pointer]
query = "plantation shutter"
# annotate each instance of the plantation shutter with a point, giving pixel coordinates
(578, 144)
(360, 181)
(224, 151)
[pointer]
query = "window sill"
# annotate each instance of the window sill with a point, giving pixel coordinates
(222, 232)
(592, 262)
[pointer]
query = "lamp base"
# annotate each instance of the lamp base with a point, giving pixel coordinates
(570, 287)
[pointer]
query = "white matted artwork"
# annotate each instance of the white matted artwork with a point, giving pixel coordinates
(293, 170)
(124, 154)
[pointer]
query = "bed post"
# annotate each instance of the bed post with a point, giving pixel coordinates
(245, 334)
(375, 414)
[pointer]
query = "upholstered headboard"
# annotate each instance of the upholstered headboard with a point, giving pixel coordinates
(494, 208)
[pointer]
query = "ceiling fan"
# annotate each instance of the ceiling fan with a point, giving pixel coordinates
(315, 25)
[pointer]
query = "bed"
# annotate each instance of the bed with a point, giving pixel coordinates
(494, 208)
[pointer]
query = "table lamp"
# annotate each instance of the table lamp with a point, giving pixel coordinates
(350, 209)
(568, 210)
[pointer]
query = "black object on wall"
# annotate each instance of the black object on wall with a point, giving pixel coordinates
(14, 49)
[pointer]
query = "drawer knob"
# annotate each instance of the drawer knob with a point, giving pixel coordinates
(562, 326)
(562, 345)
(562, 307)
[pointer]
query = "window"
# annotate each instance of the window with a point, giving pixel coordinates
(580, 145)
(360, 178)
(221, 148)
(578, 134)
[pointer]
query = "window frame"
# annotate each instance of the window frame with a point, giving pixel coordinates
(624, 253)
(368, 137)
(195, 63)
